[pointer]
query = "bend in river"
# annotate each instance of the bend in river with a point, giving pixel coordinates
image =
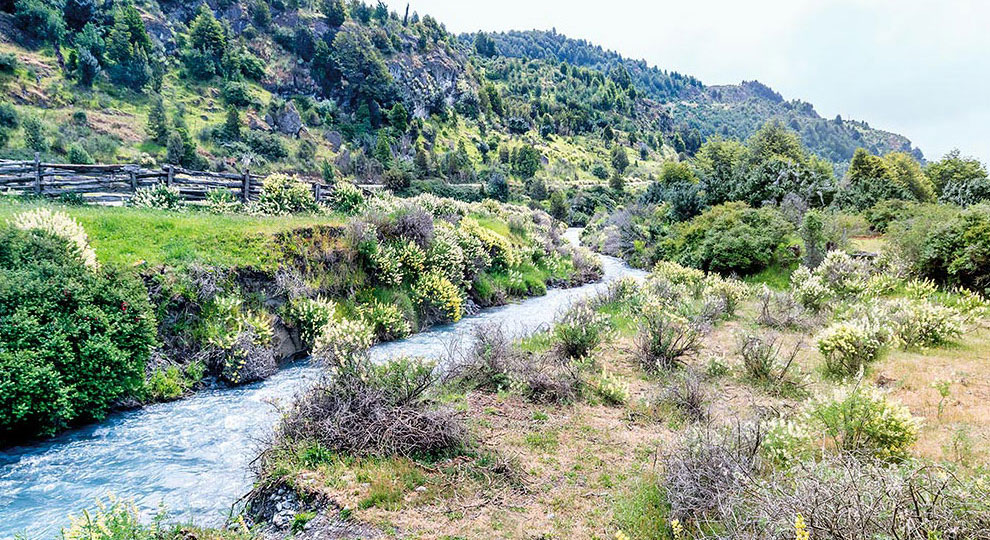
(192, 455)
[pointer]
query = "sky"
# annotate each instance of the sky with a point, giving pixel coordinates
(920, 68)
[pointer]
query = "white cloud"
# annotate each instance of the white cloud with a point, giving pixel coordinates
(917, 67)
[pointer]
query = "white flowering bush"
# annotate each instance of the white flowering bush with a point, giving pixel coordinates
(920, 323)
(850, 346)
(580, 330)
(310, 316)
(222, 201)
(111, 520)
(787, 441)
(386, 320)
(387, 265)
(809, 290)
(58, 224)
(610, 388)
(412, 260)
(440, 207)
(920, 289)
(282, 194)
(842, 274)
(341, 341)
(881, 284)
(970, 304)
(345, 198)
(158, 196)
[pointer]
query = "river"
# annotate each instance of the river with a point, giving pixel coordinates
(191, 456)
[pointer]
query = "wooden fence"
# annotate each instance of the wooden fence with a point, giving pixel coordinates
(109, 184)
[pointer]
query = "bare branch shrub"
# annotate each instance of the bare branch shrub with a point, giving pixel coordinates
(780, 310)
(687, 393)
(665, 340)
(766, 359)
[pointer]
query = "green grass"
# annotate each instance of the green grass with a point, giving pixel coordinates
(776, 277)
(126, 236)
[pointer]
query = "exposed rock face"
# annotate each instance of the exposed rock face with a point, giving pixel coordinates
(422, 77)
(286, 120)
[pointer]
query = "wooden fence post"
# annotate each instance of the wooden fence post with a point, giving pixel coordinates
(316, 190)
(170, 175)
(246, 186)
(133, 173)
(37, 173)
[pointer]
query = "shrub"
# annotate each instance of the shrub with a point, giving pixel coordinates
(610, 389)
(310, 316)
(222, 201)
(78, 155)
(843, 275)
(781, 310)
(766, 360)
(665, 339)
(385, 320)
(809, 290)
(850, 346)
(687, 394)
(73, 340)
(445, 255)
(730, 292)
(691, 278)
(282, 194)
(158, 196)
(345, 198)
(579, 331)
(8, 62)
(919, 323)
(438, 299)
(731, 238)
(61, 225)
(861, 421)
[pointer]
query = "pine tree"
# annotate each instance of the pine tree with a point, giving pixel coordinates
(399, 118)
(335, 11)
(232, 125)
(157, 121)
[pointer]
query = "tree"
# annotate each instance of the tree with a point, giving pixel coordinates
(526, 160)
(34, 134)
(774, 139)
(356, 60)
(335, 11)
(383, 149)
(558, 205)
(620, 159)
(129, 49)
(175, 152)
(381, 12)
(207, 45)
(617, 182)
(232, 125)
(399, 118)
(498, 186)
(422, 161)
(484, 45)
(906, 172)
(954, 169)
(157, 121)
(9, 120)
(303, 43)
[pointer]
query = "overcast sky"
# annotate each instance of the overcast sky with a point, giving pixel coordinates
(917, 67)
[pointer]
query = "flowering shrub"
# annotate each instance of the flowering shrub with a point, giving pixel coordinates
(61, 225)
(412, 260)
(862, 421)
(111, 520)
(386, 263)
(729, 291)
(158, 196)
(919, 323)
(691, 278)
(438, 299)
(498, 248)
(310, 316)
(809, 290)
(881, 284)
(787, 441)
(610, 388)
(282, 194)
(842, 274)
(969, 303)
(345, 198)
(222, 201)
(445, 255)
(850, 346)
(341, 340)
(665, 337)
(580, 330)
(920, 289)
(385, 320)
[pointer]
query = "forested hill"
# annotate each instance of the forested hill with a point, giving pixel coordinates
(731, 111)
(361, 91)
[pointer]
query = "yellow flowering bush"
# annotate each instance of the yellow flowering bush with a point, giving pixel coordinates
(438, 299)
(851, 345)
(920, 323)
(386, 320)
(729, 291)
(309, 316)
(862, 421)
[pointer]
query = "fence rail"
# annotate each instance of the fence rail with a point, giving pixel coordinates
(109, 184)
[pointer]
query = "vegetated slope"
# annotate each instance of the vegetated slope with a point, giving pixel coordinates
(731, 111)
(376, 94)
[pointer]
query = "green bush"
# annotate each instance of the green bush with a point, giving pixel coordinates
(850, 346)
(861, 421)
(73, 339)
(310, 316)
(222, 201)
(947, 245)
(731, 238)
(386, 320)
(580, 330)
(345, 198)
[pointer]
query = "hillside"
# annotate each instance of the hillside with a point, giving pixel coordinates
(364, 93)
(730, 111)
